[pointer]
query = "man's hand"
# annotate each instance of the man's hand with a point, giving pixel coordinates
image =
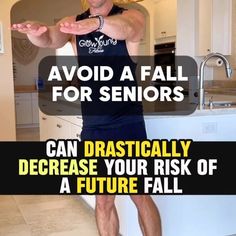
(80, 27)
(30, 28)
(44, 36)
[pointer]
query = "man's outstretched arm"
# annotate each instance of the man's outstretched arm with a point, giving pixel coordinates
(44, 36)
(130, 26)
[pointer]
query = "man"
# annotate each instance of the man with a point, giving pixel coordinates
(121, 31)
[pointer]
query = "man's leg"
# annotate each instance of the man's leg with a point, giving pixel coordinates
(106, 215)
(149, 217)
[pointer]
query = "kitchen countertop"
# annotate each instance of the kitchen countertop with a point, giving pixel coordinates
(197, 113)
(218, 95)
(59, 108)
(224, 91)
(25, 88)
(215, 111)
(205, 112)
(225, 94)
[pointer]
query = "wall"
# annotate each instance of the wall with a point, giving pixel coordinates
(7, 124)
(149, 6)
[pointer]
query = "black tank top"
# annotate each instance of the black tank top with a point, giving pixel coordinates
(98, 49)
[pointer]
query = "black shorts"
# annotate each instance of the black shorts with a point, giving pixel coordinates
(133, 131)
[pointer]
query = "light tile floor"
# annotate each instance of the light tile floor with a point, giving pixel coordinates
(44, 215)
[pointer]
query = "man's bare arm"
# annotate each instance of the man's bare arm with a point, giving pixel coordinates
(130, 26)
(44, 36)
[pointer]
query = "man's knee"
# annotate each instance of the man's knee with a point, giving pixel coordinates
(105, 203)
(140, 200)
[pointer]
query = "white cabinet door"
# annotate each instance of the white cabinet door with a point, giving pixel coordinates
(23, 112)
(45, 126)
(23, 108)
(35, 108)
(204, 27)
(213, 26)
(60, 128)
(77, 120)
(27, 112)
(222, 26)
(75, 132)
(53, 127)
(165, 18)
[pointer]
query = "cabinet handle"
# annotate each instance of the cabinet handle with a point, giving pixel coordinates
(208, 50)
(44, 118)
(59, 126)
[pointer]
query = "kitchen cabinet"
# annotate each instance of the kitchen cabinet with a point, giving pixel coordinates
(76, 127)
(165, 19)
(52, 127)
(76, 132)
(35, 109)
(23, 108)
(217, 125)
(59, 127)
(26, 108)
(45, 124)
(213, 26)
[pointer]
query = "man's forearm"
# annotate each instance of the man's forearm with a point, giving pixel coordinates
(52, 38)
(124, 27)
(42, 41)
(118, 28)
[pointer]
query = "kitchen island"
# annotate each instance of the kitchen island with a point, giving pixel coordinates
(186, 215)
(216, 124)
